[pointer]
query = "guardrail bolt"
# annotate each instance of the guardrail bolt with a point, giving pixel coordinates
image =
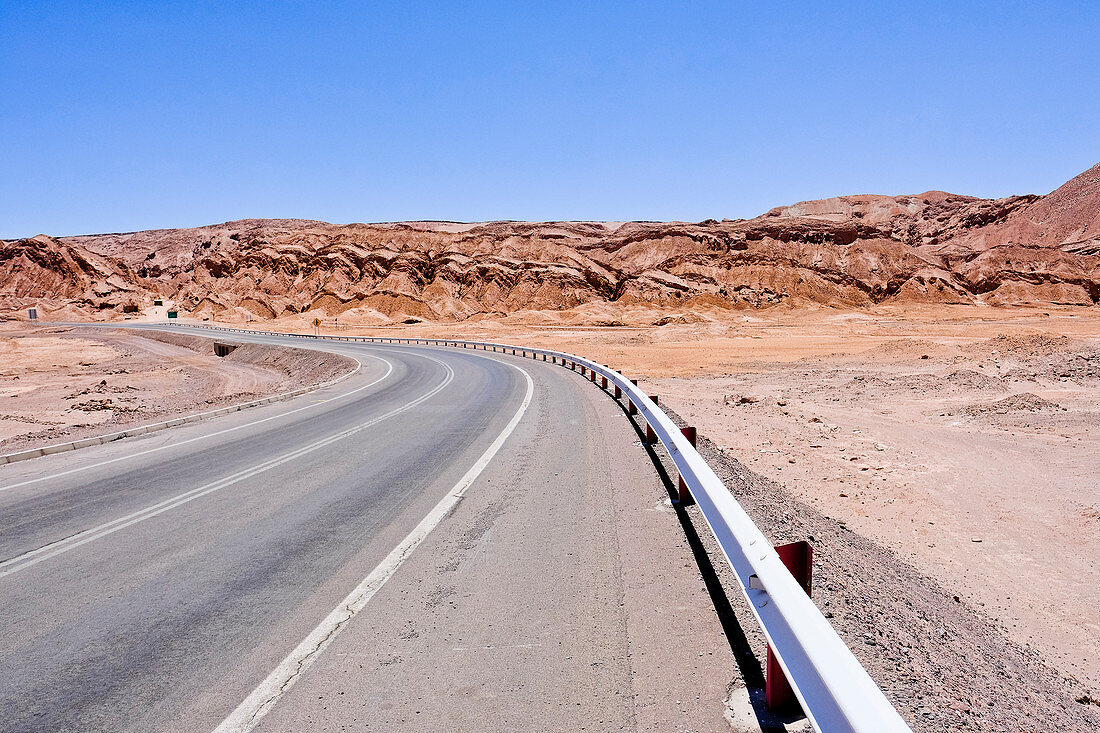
(798, 558)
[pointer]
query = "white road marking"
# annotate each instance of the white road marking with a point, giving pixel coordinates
(128, 456)
(33, 557)
(248, 714)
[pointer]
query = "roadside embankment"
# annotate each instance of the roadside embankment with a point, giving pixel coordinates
(60, 384)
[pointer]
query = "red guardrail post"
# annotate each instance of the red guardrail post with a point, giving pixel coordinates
(650, 436)
(798, 557)
(683, 496)
(605, 382)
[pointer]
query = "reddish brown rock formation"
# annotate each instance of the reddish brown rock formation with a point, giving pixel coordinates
(46, 269)
(850, 250)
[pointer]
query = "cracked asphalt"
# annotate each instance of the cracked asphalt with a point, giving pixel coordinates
(152, 584)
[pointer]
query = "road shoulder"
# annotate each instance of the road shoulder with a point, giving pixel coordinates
(560, 594)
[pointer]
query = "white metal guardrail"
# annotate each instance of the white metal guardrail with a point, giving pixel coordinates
(834, 689)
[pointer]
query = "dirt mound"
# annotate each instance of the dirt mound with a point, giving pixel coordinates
(1028, 346)
(679, 319)
(1023, 402)
(297, 367)
(968, 379)
(1042, 356)
(848, 251)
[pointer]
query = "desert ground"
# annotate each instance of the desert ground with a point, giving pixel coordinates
(63, 383)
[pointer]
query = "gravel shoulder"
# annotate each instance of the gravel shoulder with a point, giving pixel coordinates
(943, 662)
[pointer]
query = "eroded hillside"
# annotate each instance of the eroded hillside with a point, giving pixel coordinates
(849, 251)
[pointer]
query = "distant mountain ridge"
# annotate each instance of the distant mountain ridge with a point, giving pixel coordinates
(844, 251)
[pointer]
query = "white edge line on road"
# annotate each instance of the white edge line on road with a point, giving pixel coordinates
(249, 713)
(33, 557)
(204, 436)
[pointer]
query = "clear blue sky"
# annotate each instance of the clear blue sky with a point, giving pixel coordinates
(124, 116)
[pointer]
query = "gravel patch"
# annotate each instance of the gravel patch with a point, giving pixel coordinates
(945, 665)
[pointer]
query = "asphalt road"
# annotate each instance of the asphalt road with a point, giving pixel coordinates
(446, 540)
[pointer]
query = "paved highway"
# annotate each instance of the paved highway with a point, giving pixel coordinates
(446, 540)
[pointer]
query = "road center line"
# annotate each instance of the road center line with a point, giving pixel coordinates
(33, 557)
(249, 713)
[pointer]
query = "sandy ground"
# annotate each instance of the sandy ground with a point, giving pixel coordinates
(976, 463)
(59, 384)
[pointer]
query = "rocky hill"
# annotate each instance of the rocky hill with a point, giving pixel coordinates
(848, 251)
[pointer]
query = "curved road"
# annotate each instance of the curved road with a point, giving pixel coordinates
(467, 523)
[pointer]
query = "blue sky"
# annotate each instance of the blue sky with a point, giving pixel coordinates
(125, 116)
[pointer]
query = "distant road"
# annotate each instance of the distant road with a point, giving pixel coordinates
(179, 581)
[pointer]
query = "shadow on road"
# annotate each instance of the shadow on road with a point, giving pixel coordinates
(749, 666)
